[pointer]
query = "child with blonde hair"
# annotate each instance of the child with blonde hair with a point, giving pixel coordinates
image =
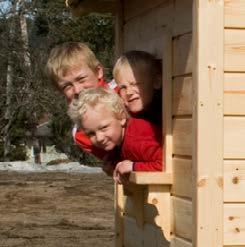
(102, 115)
(138, 76)
(72, 66)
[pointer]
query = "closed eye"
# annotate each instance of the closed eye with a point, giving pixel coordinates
(89, 133)
(103, 128)
(65, 86)
(122, 88)
(81, 79)
(135, 83)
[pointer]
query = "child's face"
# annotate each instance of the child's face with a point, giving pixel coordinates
(74, 79)
(136, 89)
(103, 128)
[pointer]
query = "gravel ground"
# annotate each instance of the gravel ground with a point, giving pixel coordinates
(56, 209)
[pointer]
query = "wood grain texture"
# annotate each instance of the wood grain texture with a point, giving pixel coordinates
(234, 53)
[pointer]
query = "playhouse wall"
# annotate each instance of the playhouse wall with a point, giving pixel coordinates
(182, 123)
(145, 29)
(234, 128)
(145, 25)
(234, 123)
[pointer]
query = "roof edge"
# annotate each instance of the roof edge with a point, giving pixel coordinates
(84, 7)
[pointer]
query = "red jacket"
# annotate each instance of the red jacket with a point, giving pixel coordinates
(142, 145)
(80, 137)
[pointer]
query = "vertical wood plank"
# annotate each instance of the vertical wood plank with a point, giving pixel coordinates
(159, 198)
(138, 7)
(153, 237)
(119, 212)
(182, 17)
(167, 100)
(118, 189)
(182, 218)
(182, 179)
(182, 55)
(134, 203)
(119, 29)
(208, 45)
(178, 242)
(182, 96)
(182, 136)
(133, 236)
(146, 32)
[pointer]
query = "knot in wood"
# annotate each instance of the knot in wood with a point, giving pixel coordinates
(235, 180)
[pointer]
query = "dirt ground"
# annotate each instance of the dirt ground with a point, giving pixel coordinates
(56, 209)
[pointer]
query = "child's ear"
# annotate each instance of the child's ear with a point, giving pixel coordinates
(100, 72)
(123, 120)
(157, 84)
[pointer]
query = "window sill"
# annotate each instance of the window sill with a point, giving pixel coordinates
(160, 178)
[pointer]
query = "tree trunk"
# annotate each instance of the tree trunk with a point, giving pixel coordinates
(8, 116)
(26, 87)
(24, 36)
(17, 10)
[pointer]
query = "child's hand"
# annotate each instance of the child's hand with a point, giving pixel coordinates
(122, 170)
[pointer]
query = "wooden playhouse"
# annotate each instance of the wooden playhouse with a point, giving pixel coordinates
(200, 200)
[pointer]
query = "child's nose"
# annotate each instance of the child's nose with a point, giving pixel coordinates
(99, 137)
(76, 88)
(129, 90)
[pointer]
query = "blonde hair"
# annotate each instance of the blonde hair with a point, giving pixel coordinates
(67, 55)
(92, 97)
(139, 61)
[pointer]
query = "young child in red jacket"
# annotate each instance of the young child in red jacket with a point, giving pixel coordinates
(102, 116)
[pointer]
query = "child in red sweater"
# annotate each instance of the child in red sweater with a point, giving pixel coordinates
(72, 67)
(102, 116)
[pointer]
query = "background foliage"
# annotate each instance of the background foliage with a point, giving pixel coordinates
(31, 95)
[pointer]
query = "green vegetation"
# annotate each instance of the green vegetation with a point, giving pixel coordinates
(27, 94)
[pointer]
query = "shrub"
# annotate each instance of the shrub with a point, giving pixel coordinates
(18, 153)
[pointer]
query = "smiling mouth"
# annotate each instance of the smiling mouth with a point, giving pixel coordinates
(106, 146)
(103, 145)
(132, 100)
